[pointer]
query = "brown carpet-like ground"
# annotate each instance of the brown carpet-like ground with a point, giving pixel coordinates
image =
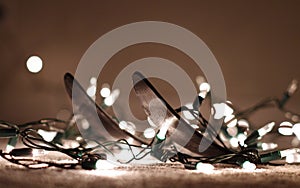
(160, 175)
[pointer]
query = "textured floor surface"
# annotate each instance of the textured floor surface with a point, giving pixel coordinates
(160, 175)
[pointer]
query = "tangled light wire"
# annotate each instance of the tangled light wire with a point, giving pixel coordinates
(233, 144)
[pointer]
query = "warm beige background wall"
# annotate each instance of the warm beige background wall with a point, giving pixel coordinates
(256, 43)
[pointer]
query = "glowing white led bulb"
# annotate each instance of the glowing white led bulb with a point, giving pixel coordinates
(149, 133)
(47, 135)
(268, 146)
(296, 130)
(248, 166)
(204, 167)
(105, 91)
(285, 128)
(204, 89)
(266, 129)
(293, 158)
(284, 153)
(110, 100)
(104, 165)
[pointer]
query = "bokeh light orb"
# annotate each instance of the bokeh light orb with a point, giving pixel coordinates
(34, 64)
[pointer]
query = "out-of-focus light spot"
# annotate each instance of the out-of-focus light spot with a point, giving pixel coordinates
(199, 80)
(296, 130)
(93, 81)
(37, 152)
(105, 91)
(286, 152)
(268, 146)
(151, 123)
(85, 124)
(288, 115)
(110, 100)
(243, 123)
(123, 125)
(230, 120)
(241, 138)
(285, 128)
(91, 91)
(149, 133)
(195, 126)
(234, 142)
(248, 166)
(130, 128)
(204, 87)
(293, 158)
(266, 129)
(34, 64)
(295, 142)
(204, 167)
(222, 110)
(232, 131)
(130, 140)
(9, 148)
(295, 118)
(47, 135)
(104, 165)
(229, 102)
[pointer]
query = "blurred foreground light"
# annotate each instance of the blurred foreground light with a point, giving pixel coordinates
(204, 167)
(149, 133)
(104, 165)
(296, 130)
(110, 100)
(9, 148)
(34, 64)
(47, 135)
(248, 166)
(293, 158)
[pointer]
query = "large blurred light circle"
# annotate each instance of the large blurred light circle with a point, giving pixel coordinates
(34, 64)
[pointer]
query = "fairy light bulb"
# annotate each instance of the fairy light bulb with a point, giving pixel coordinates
(104, 165)
(292, 88)
(110, 100)
(164, 128)
(248, 166)
(47, 135)
(266, 129)
(234, 142)
(34, 64)
(286, 128)
(105, 91)
(222, 110)
(204, 167)
(9, 148)
(149, 133)
(230, 121)
(241, 138)
(123, 125)
(287, 152)
(204, 89)
(275, 155)
(258, 134)
(268, 146)
(293, 158)
(37, 152)
(296, 130)
(92, 89)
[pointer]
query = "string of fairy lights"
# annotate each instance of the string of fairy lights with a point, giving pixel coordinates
(30, 144)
